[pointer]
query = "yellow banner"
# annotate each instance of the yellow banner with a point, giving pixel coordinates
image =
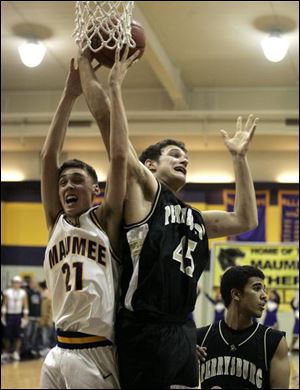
(279, 263)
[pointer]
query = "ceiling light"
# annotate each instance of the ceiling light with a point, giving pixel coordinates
(32, 53)
(275, 47)
(288, 177)
(101, 176)
(12, 176)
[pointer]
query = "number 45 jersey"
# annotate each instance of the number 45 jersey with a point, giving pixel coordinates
(81, 274)
(166, 254)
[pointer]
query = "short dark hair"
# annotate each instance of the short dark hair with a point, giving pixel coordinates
(79, 164)
(153, 152)
(237, 277)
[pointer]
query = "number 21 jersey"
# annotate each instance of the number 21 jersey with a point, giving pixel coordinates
(81, 274)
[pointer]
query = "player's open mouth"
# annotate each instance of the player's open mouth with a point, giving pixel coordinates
(71, 199)
(180, 169)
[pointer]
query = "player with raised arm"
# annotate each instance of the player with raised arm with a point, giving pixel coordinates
(166, 250)
(83, 250)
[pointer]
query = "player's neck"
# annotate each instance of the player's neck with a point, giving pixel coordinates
(171, 186)
(236, 320)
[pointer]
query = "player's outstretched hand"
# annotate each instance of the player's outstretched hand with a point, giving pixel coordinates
(239, 143)
(73, 84)
(121, 65)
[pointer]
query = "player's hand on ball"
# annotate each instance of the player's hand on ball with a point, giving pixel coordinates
(119, 70)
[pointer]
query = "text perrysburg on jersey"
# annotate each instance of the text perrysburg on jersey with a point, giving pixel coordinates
(178, 214)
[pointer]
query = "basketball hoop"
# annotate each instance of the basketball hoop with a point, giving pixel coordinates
(106, 22)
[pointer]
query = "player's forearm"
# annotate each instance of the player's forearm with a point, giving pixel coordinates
(245, 207)
(96, 99)
(57, 131)
(119, 126)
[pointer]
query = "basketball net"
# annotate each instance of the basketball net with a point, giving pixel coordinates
(109, 20)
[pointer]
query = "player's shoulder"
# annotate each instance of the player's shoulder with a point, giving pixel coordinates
(202, 332)
(272, 333)
(93, 212)
(272, 338)
(53, 226)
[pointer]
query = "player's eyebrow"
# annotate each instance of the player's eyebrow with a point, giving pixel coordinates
(258, 284)
(178, 150)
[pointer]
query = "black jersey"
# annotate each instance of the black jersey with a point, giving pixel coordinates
(237, 359)
(166, 254)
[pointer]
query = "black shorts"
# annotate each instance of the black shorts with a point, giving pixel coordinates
(154, 354)
(13, 328)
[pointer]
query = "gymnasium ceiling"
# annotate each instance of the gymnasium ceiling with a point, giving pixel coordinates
(202, 60)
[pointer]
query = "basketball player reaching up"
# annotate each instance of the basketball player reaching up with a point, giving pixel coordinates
(240, 353)
(166, 251)
(79, 260)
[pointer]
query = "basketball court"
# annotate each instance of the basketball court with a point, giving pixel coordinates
(26, 375)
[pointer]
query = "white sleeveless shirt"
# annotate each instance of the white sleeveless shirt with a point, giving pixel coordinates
(15, 300)
(81, 276)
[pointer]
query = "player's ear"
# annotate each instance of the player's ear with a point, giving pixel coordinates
(151, 164)
(235, 294)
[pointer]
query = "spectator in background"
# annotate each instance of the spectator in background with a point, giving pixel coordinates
(272, 309)
(14, 316)
(218, 305)
(46, 321)
(295, 306)
(32, 339)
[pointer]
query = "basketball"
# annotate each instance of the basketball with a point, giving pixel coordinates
(106, 56)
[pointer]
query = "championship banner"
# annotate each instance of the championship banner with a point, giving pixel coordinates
(279, 263)
(288, 202)
(262, 201)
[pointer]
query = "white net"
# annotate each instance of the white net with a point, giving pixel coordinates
(100, 24)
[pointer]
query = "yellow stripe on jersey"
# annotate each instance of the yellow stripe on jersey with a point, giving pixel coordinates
(80, 340)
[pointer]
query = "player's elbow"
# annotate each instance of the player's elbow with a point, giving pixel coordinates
(250, 224)
(248, 221)
(245, 224)
(253, 223)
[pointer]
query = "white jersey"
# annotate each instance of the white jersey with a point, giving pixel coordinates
(14, 299)
(81, 276)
